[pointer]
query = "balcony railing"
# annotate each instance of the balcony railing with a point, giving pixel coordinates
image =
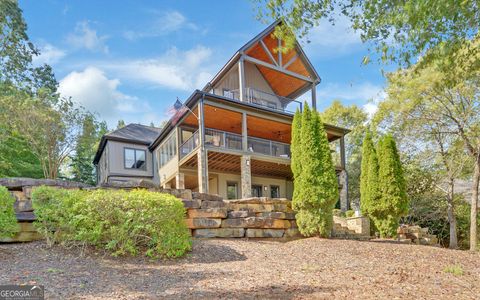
(233, 141)
(189, 145)
(266, 100)
(268, 147)
(223, 139)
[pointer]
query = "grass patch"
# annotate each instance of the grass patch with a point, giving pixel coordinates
(456, 270)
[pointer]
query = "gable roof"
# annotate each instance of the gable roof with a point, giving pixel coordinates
(261, 51)
(131, 133)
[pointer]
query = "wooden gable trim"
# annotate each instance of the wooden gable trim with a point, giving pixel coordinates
(277, 68)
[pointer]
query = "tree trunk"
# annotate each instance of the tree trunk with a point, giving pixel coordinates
(453, 244)
(474, 204)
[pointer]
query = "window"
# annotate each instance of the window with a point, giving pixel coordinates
(232, 190)
(134, 159)
(168, 149)
(257, 191)
(274, 191)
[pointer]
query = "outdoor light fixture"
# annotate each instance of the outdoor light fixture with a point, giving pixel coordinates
(265, 188)
(248, 162)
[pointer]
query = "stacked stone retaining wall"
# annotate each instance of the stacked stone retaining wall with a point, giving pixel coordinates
(207, 215)
(210, 216)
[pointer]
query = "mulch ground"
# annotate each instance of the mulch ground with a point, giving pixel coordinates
(243, 269)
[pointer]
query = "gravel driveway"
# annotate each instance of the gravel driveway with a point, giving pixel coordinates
(308, 268)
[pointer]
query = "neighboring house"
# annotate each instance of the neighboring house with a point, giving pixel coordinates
(233, 137)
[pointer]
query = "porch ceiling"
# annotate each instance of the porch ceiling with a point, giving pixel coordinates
(230, 163)
(231, 121)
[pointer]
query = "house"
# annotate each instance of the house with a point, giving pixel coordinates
(232, 138)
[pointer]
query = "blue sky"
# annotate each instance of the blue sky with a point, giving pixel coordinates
(130, 60)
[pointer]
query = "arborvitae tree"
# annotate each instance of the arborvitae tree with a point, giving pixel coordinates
(392, 200)
(316, 185)
(296, 150)
(367, 149)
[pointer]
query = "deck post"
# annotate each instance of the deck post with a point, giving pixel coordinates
(180, 181)
(314, 96)
(241, 79)
(202, 152)
(244, 132)
(246, 176)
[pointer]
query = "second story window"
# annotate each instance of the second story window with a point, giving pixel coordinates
(134, 159)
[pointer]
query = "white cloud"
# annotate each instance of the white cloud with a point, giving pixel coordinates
(92, 89)
(49, 54)
(327, 40)
(87, 38)
(176, 69)
(370, 108)
(164, 23)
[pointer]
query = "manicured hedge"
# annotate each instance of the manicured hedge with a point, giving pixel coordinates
(122, 222)
(8, 221)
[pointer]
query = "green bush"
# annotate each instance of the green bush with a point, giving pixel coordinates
(337, 212)
(350, 213)
(122, 222)
(8, 220)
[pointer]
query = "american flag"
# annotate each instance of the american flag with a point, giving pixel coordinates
(176, 111)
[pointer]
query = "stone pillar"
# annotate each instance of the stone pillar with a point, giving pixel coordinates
(246, 176)
(180, 181)
(343, 180)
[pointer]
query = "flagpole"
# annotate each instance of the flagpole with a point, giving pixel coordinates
(188, 109)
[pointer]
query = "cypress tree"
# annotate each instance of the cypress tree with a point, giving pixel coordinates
(367, 149)
(316, 185)
(295, 149)
(392, 197)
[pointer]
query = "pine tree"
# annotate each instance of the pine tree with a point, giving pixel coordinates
(316, 185)
(367, 149)
(392, 197)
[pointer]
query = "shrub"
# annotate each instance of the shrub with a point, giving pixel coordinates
(122, 222)
(349, 213)
(337, 212)
(8, 220)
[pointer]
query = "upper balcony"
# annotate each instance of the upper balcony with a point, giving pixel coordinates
(264, 99)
